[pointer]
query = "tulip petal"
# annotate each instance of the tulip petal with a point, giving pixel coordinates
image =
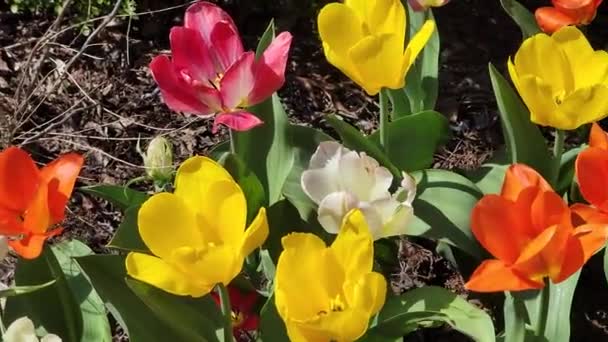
(382, 16)
(270, 69)
(582, 214)
(256, 233)
(30, 246)
(548, 209)
(592, 175)
(10, 223)
(238, 82)
(204, 16)
(21, 330)
(177, 94)
(368, 293)
(19, 179)
(333, 209)
(495, 276)
(550, 19)
(302, 255)
(38, 219)
(209, 265)
(191, 53)
(416, 45)
(239, 121)
(158, 273)
(499, 227)
(585, 105)
(166, 222)
(583, 11)
(326, 152)
(592, 238)
(520, 176)
(61, 175)
(377, 59)
(226, 44)
(544, 255)
(339, 39)
(347, 325)
(353, 247)
(396, 217)
(318, 183)
(597, 137)
(538, 97)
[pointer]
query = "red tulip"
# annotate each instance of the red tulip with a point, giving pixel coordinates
(566, 12)
(32, 200)
(530, 231)
(243, 316)
(211, 74)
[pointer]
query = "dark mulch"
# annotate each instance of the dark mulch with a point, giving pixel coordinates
(110, 102)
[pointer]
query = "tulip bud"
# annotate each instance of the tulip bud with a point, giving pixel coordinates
(158, 160)
(423, 5)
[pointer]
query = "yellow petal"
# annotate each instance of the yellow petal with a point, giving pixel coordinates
(347, 325)
(584, 106)
(378, 62)
(256, 234)
(381, 16)
(353, 246)
(416, 45)
(212, 265)
(156, 272)
(296, 296)
(513, 74)
(576, 48)
(538, 97)
(542, 57)
(339, 38)
(165, 223)
(368, 293)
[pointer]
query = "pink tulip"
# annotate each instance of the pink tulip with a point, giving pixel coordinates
(423, 5)
(211, 74)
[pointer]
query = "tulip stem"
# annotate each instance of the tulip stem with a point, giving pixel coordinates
(384, 119)
(558, 150)
(222, 291)
(542, 312)
(232, 147)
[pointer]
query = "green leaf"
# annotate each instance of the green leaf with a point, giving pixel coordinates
(127, 235)
(265, 40)
(567, 169)
(430, 306)
(120, 196)
(272, 327)
(83, 316)
(490, 176)
(443, 209)
(522, 17)
(107, 274)
(305, 141)
(515, 319)
(525, 143)
(198, 319)
(249, 183)
(20, 290)
(413, 139)
(353, 139)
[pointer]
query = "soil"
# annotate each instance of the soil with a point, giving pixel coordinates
(110, 103)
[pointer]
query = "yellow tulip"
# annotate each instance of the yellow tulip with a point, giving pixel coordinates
(329, 293)
(561, 79)
(197, 234)
(365, 40)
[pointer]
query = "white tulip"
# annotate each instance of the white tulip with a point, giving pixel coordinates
(339, 180)
(22, 330)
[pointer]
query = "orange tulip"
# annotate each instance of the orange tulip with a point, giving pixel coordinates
(565, 13)
(529, 229)
(32, 200)
(592, 175)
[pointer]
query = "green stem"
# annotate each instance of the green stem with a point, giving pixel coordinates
(222, 291)
(542, 313)
(558, 150)
(384, 119)
(232, 147)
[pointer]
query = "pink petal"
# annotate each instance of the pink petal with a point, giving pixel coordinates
(191, 53)
(237, 121)
(226, 44)
(270, 69)
(177, 94)
(237, 83)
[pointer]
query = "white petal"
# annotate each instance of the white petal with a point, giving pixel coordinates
(395, 217)
(373, 218)
(51, 338)
(326, 151)
(407, 192)
(318, 183)
(357, 174)
(21, 330)
(333, 208)
(383, 180)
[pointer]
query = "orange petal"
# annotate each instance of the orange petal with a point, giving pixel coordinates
(519, 177)
(597, 137)
(544, 255)
(550, 19)
(573, 260)
(30, 246)
(37, 218)
(10, 224)
(592, 175)
(582, 213)
(495, 276)
(60, 177)
(583, 11)
(19, 179)
(499, 227)
(592, 238)
(548, 209)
